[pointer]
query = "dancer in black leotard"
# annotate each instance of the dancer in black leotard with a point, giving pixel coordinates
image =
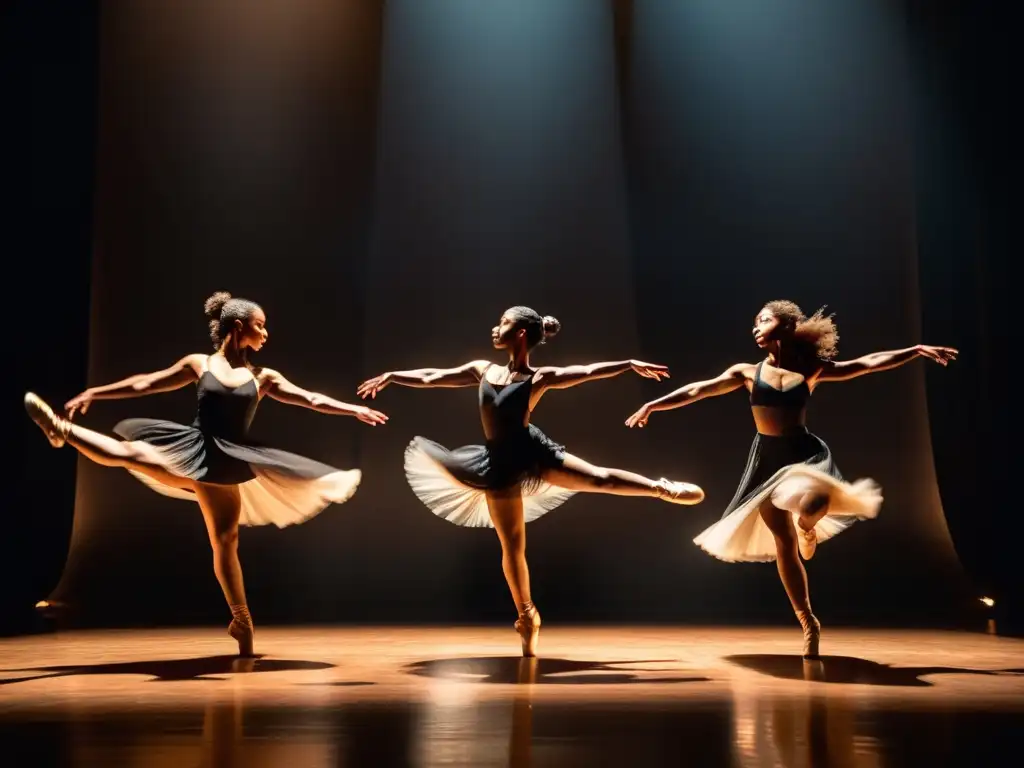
(211, 461)
(791, 495)
(520, 474)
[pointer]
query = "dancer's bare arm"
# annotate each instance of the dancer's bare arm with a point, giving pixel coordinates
(877, 362)
(275, 385)
(185, 371)
(551, 377)
(729, 380)
(467, 375)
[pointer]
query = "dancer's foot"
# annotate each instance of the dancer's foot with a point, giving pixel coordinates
(54, 427)
(807, 541)
(679, 493)
(528, 627)
(241, 630)
(812, 634)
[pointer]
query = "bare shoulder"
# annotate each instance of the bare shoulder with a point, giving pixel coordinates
(744, 371)
(195, 361)
(478, 368)
(545, 373)
(263, 374)
(819, 371)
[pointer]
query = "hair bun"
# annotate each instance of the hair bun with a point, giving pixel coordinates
(215, 304)
(551, 326)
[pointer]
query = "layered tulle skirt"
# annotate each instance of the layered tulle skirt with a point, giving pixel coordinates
(454, 484)
(784, 470)
(276, 487)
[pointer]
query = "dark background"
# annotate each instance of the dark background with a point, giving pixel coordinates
(386, 180)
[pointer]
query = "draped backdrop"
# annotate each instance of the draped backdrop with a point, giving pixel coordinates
(385, 179)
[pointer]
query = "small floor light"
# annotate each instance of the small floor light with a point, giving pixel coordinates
(990, 625)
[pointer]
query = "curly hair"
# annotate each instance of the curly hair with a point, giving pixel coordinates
(222, 310)
(816, 335)
(538, 329)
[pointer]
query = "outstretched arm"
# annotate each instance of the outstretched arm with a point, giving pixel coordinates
(731, 379)
(183, 372)
(282, 390)
(550, 377)
(467, 375)
(884, 361)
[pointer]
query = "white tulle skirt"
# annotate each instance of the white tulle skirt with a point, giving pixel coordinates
(454, 484)
(785, 469)
(276, 487)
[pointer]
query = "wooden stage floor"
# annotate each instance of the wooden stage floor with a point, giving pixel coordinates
(324, 696)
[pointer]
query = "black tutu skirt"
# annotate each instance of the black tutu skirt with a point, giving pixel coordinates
(784, 469)
(454, 483)
(276, 487)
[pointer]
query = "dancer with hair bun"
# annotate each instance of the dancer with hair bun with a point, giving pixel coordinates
(792, 495)
(520, 474)
(212, 461)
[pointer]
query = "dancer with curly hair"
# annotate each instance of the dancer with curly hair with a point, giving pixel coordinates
(791, 495)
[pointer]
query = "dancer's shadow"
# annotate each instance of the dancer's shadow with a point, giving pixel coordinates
(203, 668)
(850, 670)
(506, 670)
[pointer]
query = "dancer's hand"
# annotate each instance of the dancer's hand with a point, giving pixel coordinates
(370, 416)
(941, 355)
(370, 387)
(650, 370)
(639, 419)
(78, 403)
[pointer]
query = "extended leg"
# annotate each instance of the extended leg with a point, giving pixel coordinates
(507, 515)
(103, 449)
(792, 573)
(575, 474)
(221, 506)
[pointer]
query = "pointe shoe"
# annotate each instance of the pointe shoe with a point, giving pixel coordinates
(807, 541)
(54, 427)
(241, 630)
(679, 493)
(528, 627)
(812, 634)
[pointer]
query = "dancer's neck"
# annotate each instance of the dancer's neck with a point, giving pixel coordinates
(788, 358)
(236, 357)
(519, 360)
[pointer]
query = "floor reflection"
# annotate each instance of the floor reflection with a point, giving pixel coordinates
(805, 725)
(802, 730)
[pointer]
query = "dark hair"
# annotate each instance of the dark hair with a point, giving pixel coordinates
(538, 328)
(223, 310)
(817, 335)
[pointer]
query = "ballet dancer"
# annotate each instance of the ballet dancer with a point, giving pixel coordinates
(791, 495)
(211, 461)
(520, 474)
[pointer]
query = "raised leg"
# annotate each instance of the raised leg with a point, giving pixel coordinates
(792, 573)
(221, 506)
(813, 507)
(575, 474)
(506, 511)
(102, 449)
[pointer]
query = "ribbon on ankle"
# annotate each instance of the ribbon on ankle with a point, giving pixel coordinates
(240, 613)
